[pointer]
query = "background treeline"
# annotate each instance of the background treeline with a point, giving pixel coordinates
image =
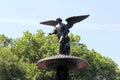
(18, 58)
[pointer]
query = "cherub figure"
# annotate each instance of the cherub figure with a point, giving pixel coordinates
(62, 30)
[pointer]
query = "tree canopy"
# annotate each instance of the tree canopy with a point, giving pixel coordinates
(18, 58)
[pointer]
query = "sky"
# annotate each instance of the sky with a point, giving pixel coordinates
(100, 31)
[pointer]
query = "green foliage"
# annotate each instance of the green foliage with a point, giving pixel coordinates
(5, 41)
(34, 47)
(9, 68)
(18, 58)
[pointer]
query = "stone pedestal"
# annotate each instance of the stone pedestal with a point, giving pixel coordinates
(62, 65)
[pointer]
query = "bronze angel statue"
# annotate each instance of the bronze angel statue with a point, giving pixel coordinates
(62, 30)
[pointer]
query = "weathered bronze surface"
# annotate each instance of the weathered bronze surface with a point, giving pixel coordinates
(62, 30)
(62, 61)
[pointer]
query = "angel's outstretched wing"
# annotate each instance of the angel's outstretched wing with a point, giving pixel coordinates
(50, 23)
(72, 20)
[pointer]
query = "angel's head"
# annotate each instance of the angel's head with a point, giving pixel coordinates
(59, 20)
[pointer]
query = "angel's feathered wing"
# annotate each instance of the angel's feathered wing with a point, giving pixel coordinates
(50, 23)
(72, 20)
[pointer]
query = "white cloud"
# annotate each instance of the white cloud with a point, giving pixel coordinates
(20, 21)
(100, 27)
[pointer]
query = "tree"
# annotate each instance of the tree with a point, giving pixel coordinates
(10, 69)
(14, 68)
(32, 47)
(5, 41)
(101, 67)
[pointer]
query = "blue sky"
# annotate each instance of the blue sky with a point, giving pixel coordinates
(101, 31)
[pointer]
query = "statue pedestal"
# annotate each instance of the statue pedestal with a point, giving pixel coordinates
(62, 64)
